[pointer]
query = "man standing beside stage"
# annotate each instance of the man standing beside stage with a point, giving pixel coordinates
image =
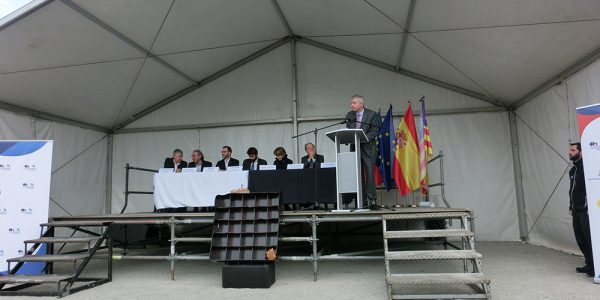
(578, 208)
(365, 119)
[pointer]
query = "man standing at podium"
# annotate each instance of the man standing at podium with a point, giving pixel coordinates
(365, 119)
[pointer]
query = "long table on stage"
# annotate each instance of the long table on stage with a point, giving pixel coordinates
(297, 186)
(195, 189)
(199, 189)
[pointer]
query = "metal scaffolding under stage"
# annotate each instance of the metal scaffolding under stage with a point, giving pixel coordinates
(312, 218)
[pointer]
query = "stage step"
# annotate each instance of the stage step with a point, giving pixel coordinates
(76, 223)
(42, 278)
(432, 255)
(437, 278)
(435, 233)
(68, 240)
(430, 215)
(49, 258)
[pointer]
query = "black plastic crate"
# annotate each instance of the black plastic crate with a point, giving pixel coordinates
(246, 226)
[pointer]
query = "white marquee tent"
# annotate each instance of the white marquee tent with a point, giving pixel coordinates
(116, 82)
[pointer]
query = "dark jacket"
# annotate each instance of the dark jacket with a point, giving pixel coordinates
(247, 162)
(319, 159)
(282, 164)
(169, 164)
(232, 163)
(205, 164)
(577, 194)
(370, 126)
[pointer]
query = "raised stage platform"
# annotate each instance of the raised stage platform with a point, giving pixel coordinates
(177, 235)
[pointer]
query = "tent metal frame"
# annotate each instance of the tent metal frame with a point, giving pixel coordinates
(295, 119)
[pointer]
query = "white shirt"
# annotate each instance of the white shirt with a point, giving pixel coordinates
(226, 161)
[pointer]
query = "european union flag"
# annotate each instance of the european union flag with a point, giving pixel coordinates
(385, 142)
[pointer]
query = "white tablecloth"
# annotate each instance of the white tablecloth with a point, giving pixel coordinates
(195, 189)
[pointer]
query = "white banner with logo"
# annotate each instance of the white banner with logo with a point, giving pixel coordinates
(588, 119)
(25, 169)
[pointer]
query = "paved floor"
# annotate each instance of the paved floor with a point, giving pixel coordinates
(517, 271)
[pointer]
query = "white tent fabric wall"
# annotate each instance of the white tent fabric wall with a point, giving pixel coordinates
(78, 168)
(326, 81)
(554, 119)
(260, 90)
(78, 183)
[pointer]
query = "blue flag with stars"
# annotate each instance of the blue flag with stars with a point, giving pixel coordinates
(385, 143)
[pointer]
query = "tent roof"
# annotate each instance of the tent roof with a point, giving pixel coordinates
(98, 63)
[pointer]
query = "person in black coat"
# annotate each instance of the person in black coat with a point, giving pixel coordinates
(281, 159)
(253, 162)
(578, 208)
(198, 161)
(227, 160)
(363, 118)
(176, 162)
(312, 159)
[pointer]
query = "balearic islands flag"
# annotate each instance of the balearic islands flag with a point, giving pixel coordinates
(406, 160)
(425, 148)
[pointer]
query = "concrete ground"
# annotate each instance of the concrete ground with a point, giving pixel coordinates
(517, 271)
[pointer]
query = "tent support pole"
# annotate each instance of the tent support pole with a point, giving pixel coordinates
(295, 101)
(109, 163)
(514, 142)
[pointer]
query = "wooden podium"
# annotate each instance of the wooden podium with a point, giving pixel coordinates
(348, 166)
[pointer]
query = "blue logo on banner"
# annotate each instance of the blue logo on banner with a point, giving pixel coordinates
(19, 148)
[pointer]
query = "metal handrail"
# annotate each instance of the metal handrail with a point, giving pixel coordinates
(127, 191)
(442, 183)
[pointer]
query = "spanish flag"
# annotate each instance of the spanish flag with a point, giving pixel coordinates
(406, 155)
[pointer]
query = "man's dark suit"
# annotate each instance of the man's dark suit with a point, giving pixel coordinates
(205, 164)
(170, 164)
(247, 162)
(368, 151)
(318, 160)
(232, 163)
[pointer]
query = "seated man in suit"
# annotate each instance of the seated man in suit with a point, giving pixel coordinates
(253, 162)
(227, 160)
(198, 161)
(281, 159)
(312, 159)
(176, 162)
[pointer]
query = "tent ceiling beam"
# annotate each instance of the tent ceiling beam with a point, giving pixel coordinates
(409, 17)
(407, 73)
(431, 112)
(22, 13)
(284, 21)
(50, 117)
(125, 39)
(202, 82)
(558, 78)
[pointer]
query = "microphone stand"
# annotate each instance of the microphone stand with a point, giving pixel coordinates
(315, 204)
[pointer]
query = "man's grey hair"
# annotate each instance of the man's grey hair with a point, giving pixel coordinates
(359, 98)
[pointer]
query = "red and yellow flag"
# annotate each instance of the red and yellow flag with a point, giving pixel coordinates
(406, 155)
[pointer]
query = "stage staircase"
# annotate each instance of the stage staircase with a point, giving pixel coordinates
(59, 285)
(404, 286)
